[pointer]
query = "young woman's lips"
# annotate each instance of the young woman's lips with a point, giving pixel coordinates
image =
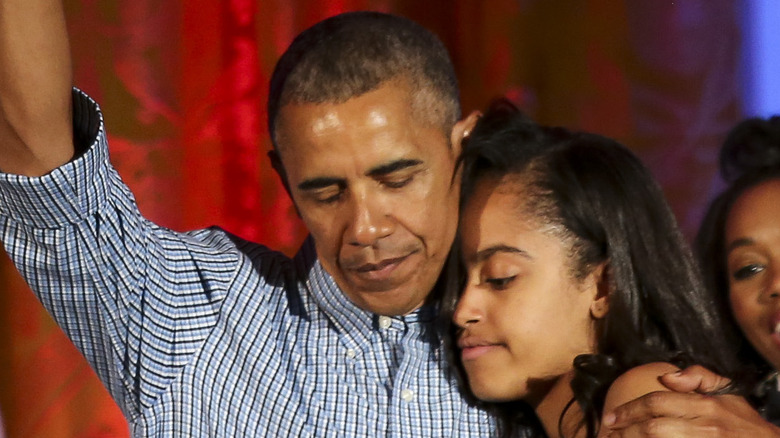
(774, 327)
(473, 348)
(472, 353)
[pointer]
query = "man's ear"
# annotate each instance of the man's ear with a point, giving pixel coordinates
(600, 305)
(463, 129)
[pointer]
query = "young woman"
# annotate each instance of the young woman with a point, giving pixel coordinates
(739, 247)
(579, 290)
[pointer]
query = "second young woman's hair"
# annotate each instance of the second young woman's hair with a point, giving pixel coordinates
(610, 210)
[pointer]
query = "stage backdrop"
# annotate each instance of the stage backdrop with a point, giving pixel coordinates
(183, 85)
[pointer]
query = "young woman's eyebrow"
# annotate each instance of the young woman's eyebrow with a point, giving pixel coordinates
(745, 241)
(488, 252)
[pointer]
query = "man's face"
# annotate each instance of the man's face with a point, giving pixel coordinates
(373, 185)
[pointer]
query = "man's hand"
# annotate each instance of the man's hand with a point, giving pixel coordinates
(690, 412)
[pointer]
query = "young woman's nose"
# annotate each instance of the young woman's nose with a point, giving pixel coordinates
(468, 310)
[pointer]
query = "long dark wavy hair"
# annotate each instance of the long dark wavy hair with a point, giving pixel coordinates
(609, 206)
(749, 156)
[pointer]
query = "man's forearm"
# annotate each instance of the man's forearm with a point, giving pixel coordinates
(35, 83)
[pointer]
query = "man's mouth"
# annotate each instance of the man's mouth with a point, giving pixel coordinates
(370, 267)
(384, 274)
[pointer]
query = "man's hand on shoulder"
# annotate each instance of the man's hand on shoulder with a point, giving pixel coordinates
(687, 411)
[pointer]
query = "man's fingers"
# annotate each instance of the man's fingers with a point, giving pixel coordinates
(744, 424)
(658, 428)
(695, 378)
(665, 414)
(667, 404)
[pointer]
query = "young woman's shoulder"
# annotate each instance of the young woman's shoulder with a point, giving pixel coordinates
(637, 382)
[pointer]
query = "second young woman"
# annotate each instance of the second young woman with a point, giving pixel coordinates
(739, 247)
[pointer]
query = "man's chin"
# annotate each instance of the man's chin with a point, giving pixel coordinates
(395, 289)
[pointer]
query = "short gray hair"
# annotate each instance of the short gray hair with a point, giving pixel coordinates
(353, 53)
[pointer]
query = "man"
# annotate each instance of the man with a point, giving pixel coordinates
(203, 334)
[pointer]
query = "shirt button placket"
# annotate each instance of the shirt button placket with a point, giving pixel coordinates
(385, 322)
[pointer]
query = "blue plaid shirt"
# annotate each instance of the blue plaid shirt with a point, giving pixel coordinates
(205, 334)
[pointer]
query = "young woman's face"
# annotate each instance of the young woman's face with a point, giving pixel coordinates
(523, 315)
(752, 243)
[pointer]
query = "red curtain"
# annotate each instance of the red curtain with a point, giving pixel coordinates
(183, 85)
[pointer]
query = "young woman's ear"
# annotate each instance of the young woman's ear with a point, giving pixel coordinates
(600, 305)
(599, 308)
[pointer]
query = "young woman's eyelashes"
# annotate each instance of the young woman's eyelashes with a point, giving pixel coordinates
(747, 271)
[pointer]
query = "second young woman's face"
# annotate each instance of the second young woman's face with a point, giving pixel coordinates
(752, 242)
(523, 316)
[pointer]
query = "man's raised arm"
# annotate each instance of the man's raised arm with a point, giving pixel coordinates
(36, 130)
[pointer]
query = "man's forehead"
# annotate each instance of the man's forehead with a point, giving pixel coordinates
(418, 105)
(311, 123)
(373, 134)
(330, 118)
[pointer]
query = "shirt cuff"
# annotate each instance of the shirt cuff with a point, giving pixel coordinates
(72, 191)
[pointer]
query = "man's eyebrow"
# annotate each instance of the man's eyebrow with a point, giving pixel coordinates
(488, 252)
(321, 183)
(386, 169)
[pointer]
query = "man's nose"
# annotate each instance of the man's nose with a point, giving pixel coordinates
(370, 221)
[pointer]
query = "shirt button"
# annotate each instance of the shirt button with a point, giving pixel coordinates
(385, 322)
(350, 353)
(407, 395)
